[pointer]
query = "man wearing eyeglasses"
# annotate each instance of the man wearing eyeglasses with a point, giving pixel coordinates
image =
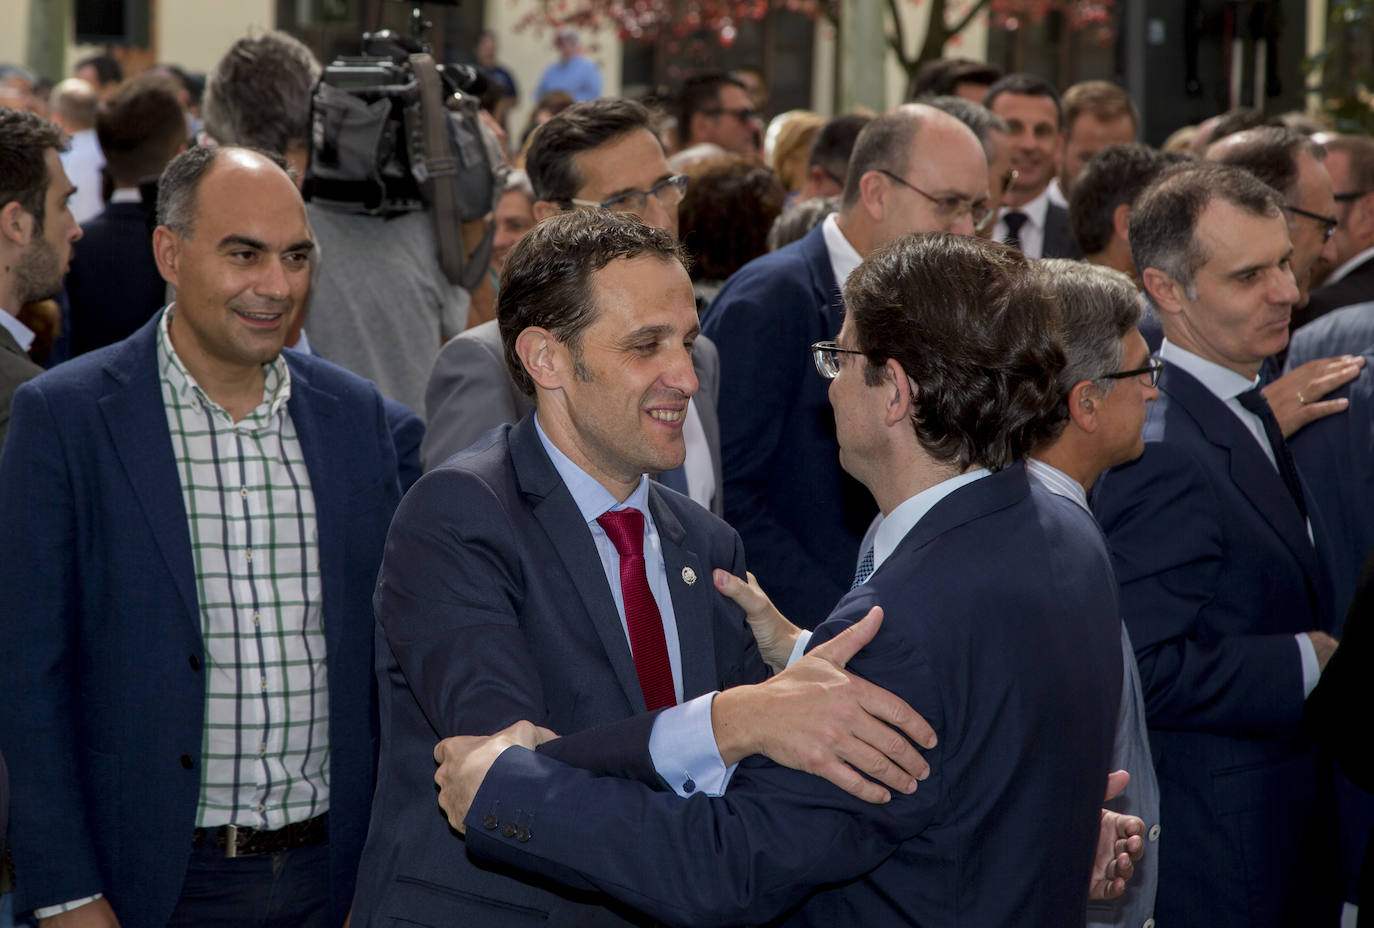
(1216, 546)
(715, 109)
(597, 155)
(1107, 383)
(914, 169)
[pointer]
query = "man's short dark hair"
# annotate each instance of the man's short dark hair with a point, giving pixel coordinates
(1164, 220)
(1026, 85)
(259, 93)
(1240, 119)
(180, 183)
(140, 127)
(1113, 177)
(577, 129)
(943, 76)
(1360, 152)
(834, 144)
(701, 93)
(983, 121)
(24, 177)
(107, 69)
(1271, 154)
(547, 278)
(977, 334)
(885, 143)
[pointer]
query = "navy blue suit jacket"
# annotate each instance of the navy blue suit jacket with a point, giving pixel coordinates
(113, 285)
(1001, 628)
(1348, 330)
(493, 607)
(1217, 576)
(800, 515)
(102, 628)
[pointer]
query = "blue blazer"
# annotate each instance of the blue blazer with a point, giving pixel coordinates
(103, 725)
(1347, 330)
(113, 285)
(1217, 575)
(1001, 628)
(493, 607)
(800, 515)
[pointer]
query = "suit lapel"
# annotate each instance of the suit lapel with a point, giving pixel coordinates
(828, 292)
(312, 412)
(137, 422)
(1249, 467)
(692, 607)
(557, 513)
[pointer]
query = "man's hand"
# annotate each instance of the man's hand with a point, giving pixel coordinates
(816, 717)
(1296, 397)
(1325, 646)
(776, 636)
(97, 914)
(464, 761)
(1119, 844)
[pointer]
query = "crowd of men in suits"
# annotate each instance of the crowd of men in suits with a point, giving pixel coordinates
(842, 593)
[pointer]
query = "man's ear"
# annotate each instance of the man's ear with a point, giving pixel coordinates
(1121, 221)
(167, 247)
(1084, 399)
(16, 224)
(543, 209)
(873, 191)
(901, 392)
(540, 353)
(1166, 292)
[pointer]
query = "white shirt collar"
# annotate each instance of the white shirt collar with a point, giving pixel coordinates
(1222, 382)
(22, 333)
(1345, 269)
(1056, 481)
(892, 528)
(126, 195)
(843, 256)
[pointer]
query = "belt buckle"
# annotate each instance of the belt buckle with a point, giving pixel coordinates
(231, 840)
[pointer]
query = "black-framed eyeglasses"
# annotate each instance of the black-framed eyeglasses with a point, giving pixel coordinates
(950, 209)
(669, 192)
(1330, 222)
(1351, 196)
(1152, 369)
(826, 356)
(743, 114)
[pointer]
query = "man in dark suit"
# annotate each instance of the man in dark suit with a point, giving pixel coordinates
(114, 285)
(604, 154)
(37, 230)
(915, 169)
(192, 523)
(1226, 597)
(1350, 277)
(978, 578)
(510, 589)
(1028, 220)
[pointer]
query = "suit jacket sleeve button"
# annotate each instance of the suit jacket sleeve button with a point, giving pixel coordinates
(489, 821)
(508, 830)
(186, 762)
(523, 833)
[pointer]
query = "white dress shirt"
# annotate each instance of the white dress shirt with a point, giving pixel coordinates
(1032, 234)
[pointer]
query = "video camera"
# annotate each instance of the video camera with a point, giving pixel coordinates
(394, 132)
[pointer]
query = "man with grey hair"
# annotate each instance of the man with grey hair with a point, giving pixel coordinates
(1108, 380)
(915, 169)
(72, 107)
(382, 305)
(1215, 544)
(192, 679)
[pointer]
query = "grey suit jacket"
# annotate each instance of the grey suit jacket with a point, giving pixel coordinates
(470, 392)
(15, 369)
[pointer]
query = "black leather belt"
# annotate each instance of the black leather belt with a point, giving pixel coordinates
(238, 841)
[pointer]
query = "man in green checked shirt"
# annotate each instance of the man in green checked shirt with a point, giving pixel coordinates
(193, 522)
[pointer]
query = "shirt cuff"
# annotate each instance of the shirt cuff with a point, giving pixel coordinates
(799, 648)
(48, 911)
(683, 748)
(1311, 670)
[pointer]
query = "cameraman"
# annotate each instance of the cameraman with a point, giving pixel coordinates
(382, 305)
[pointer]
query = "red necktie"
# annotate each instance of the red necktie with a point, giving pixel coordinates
(625, 528)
